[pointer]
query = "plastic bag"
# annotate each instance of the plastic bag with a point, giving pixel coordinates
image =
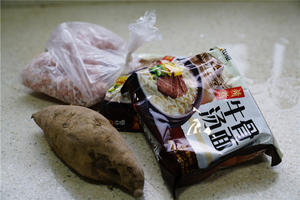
(83, 60)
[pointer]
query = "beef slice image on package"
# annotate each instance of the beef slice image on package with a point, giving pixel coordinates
(214, 124)
(86, 142)
(171, 86)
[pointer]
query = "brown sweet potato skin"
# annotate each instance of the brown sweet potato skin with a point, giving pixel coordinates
(86, 141)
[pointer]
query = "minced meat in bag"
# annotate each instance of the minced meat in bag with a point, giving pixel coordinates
(83, 60)
(198, 116)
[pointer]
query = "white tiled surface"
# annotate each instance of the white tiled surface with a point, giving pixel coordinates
(263, 38)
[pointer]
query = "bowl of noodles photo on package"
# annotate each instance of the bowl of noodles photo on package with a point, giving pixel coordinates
(172, 89)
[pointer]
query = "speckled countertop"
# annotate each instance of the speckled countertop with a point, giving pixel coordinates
(262, 38)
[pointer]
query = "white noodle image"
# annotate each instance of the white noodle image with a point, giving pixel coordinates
(167, 105)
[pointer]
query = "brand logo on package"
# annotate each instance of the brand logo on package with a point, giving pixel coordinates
(236, 92)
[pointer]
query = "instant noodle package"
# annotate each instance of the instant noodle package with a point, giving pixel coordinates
(198, 116)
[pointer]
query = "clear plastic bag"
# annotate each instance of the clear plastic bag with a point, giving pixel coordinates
(83, 60)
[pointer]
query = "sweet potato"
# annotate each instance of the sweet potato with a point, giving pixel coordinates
(86, 142)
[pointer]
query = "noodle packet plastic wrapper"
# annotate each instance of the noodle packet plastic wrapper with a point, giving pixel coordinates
(117, 107)
(198, 116)
(83, 60)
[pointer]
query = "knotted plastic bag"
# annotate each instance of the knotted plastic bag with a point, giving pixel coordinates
(83, 60)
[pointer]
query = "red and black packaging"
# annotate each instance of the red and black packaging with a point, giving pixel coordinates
(198, 116)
